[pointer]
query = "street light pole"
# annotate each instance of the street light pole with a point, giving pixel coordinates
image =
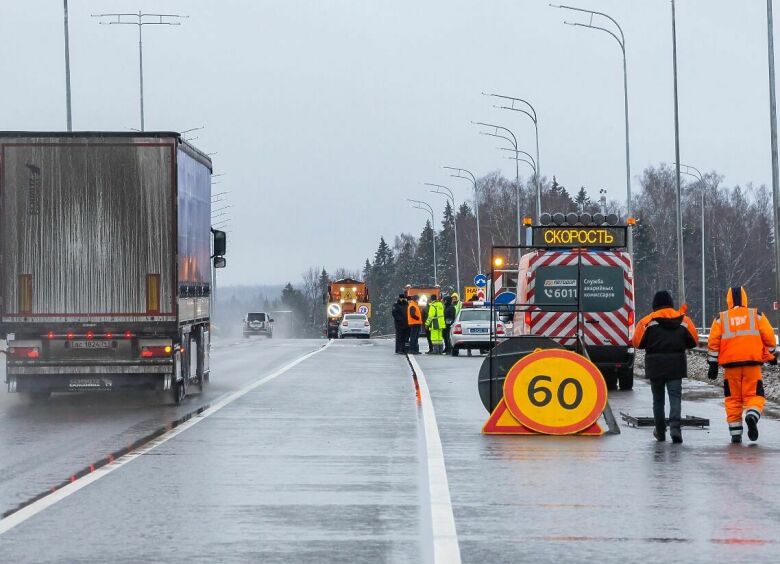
(156, 19)
(680, 263)
(67, 67)
(451, 197)
(622, 43)
(773, 137)
(698, 175)
(473, 180)
(426, 207)
(513, 141)
(534, 118)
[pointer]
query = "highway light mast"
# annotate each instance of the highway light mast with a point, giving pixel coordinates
(67, 66)
(141, 20)
(426, 207)
(773, 139)
(447, 193)
(621, 40)
(459, 174)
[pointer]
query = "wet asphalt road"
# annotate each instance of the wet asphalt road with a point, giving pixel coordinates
(326, 463)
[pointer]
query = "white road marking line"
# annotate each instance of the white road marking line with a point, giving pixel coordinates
(44, 503)
(446, 549)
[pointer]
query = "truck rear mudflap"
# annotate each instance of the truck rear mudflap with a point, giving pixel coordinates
(105, 378)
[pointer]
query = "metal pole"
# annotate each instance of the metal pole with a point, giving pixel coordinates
(680, 267)
(628, 152)
(773, 119)
(67, 67)
(517, 211)
(141, 66)
(538, 174)
(476, 207)
(451, 197)
(703, 279)
(435, 272)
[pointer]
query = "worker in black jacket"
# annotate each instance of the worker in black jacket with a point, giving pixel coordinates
(400, 324)
(665, 335)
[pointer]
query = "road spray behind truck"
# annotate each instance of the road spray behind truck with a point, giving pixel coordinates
(106, 252)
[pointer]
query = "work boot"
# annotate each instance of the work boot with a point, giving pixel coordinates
(659, 434)
(736, 439)
(752, 424)
(676, 435)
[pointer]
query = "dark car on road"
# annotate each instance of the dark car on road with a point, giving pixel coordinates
(259, 323)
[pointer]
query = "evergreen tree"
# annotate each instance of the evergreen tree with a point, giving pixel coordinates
(405, 249)
(381, 287)
(582, 199)
(424, 257)
(445, 250)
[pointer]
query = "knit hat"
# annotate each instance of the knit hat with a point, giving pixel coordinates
(662, 299)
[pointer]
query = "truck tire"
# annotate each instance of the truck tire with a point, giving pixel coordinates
(36, 398)
(611, 379)
(626, 378)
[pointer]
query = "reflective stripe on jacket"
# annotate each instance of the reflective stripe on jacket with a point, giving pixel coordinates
(740, 336)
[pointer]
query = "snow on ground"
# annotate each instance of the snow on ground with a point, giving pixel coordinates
(697, 370)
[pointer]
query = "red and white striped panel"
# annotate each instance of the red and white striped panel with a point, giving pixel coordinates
(599, 328)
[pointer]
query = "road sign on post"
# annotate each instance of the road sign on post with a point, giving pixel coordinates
(364, 309)
(480, 280)
(551, 392)
(470, 293)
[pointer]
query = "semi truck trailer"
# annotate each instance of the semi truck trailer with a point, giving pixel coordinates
(106, 258)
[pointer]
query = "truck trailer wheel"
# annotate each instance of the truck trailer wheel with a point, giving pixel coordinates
(626, 378)
(611, 379)
(36, 398)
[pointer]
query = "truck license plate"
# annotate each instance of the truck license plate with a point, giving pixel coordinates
(90, 383)
(91, 344)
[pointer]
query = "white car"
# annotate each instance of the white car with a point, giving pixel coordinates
(355, 325)
(471, 330)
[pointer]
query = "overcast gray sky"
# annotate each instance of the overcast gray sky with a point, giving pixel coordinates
(327, 114)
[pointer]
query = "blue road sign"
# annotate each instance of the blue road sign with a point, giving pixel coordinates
(505, 298)
(480, 280)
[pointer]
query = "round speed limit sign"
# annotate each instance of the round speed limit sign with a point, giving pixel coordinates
(555, 392)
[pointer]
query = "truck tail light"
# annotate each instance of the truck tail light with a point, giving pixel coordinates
(25, 293)
(631, 318)
(24, 352)
(152, 293)
(527, 318)
(156, 351)
(457, 329)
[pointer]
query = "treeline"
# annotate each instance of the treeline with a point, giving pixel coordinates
(738, 244)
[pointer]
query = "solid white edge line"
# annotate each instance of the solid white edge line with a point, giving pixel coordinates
(445, 539)
(44, 503)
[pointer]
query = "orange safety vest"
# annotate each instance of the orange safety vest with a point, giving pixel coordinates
(740, 336)
(413, 307)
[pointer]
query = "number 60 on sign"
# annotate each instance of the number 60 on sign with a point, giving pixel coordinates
(556, 392)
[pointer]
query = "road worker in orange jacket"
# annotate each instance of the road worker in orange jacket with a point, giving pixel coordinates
(741, 340)
(414, 319)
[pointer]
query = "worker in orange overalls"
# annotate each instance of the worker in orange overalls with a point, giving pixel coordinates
(741, 340)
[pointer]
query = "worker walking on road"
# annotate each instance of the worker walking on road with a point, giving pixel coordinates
(741, 340)
(435, 325)
(665, 335)
(414, 320)
(401, 324)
